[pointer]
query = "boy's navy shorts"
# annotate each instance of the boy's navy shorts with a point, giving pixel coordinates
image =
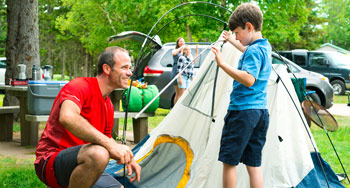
(244, 136)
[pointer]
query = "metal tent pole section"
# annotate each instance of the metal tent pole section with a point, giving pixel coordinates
(125, 127)
(180, 5)
(324, 128)
(166, 87)
(189, 15)
(215, 80)
(138, 60)
(304, 123)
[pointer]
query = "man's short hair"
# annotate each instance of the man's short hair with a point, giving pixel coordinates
(244, 13)
(107, 57)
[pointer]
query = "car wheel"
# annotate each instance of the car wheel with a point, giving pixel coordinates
(314, 97)
(338, 87)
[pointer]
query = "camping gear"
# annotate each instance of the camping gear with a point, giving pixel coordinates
(21, 71)
(18, 82)
(135, 101)
(35, 73)
(183, 150)
(319, 115)
(299, 86)
(41, 95)
(140, 97)
(47, 72)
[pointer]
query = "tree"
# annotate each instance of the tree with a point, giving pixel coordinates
(338, 15)
(22, 42)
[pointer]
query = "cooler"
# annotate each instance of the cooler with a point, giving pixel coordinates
(41, 95)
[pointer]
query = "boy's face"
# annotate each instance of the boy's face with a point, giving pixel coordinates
(244, 35)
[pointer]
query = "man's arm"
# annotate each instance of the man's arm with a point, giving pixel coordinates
(71, 119)
(242, 77)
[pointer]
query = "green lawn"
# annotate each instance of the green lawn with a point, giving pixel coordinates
(1, 99)
(341, 140)
(342, 99)
(20, 173)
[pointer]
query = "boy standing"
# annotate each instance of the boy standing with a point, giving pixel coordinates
(247, 119)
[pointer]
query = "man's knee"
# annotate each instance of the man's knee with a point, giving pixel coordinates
(95, 155)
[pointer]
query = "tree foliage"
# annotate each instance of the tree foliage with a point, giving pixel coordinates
(74, 32)
(338, 14)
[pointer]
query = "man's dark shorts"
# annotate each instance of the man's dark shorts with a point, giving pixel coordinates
(243, 137)
(64, 164)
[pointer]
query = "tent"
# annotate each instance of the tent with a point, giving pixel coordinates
(183, 150)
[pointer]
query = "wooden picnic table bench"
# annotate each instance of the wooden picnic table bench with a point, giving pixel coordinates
(140, 125)
(6, 119)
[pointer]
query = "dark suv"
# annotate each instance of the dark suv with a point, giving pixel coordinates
(334, 65)
(156, 68)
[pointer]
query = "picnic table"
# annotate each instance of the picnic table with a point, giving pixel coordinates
(30, 123)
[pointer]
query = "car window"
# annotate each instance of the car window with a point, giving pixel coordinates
(2, 63)
(317, 59)
(287, 55)
(167, 59)
(291, 67)
(202, 57)
(300, 59)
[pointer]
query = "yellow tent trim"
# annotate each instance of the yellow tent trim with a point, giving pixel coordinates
(188, 152)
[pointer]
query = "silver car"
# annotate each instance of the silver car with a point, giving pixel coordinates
(156, 67)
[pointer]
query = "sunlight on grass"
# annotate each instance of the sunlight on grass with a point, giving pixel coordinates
(341, 140)
(1, 99)
(18, 173)
(342, 99)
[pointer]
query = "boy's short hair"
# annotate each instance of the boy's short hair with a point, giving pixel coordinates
(244, 13)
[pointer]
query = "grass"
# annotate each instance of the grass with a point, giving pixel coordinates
(20, 173)
(1, 99)
(342, 99)
(341, 140)
(152, 121)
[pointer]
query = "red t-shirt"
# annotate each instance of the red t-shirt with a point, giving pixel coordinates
(99, 111)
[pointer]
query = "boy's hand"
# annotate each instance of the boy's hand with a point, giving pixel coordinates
(218, 56)
(227, 35)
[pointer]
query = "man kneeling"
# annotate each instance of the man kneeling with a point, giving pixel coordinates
(76, 144)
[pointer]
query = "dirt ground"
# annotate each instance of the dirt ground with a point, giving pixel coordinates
(14, 148)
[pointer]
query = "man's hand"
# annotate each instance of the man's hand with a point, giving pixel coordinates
(133, 166)
(121, 153)
(227, 35)
(218, 55)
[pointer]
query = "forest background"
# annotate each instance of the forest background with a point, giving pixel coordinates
(73, 32)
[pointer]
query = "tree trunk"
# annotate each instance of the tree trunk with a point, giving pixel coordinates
(189, 34)
(63, 63)
(22, 42)
(86, 64)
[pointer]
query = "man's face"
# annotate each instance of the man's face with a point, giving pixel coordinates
(121, 72)
(243, 35)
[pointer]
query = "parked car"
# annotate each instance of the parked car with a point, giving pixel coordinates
(157, 64)
(2, 73)
(334, 65)
(314, 81)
